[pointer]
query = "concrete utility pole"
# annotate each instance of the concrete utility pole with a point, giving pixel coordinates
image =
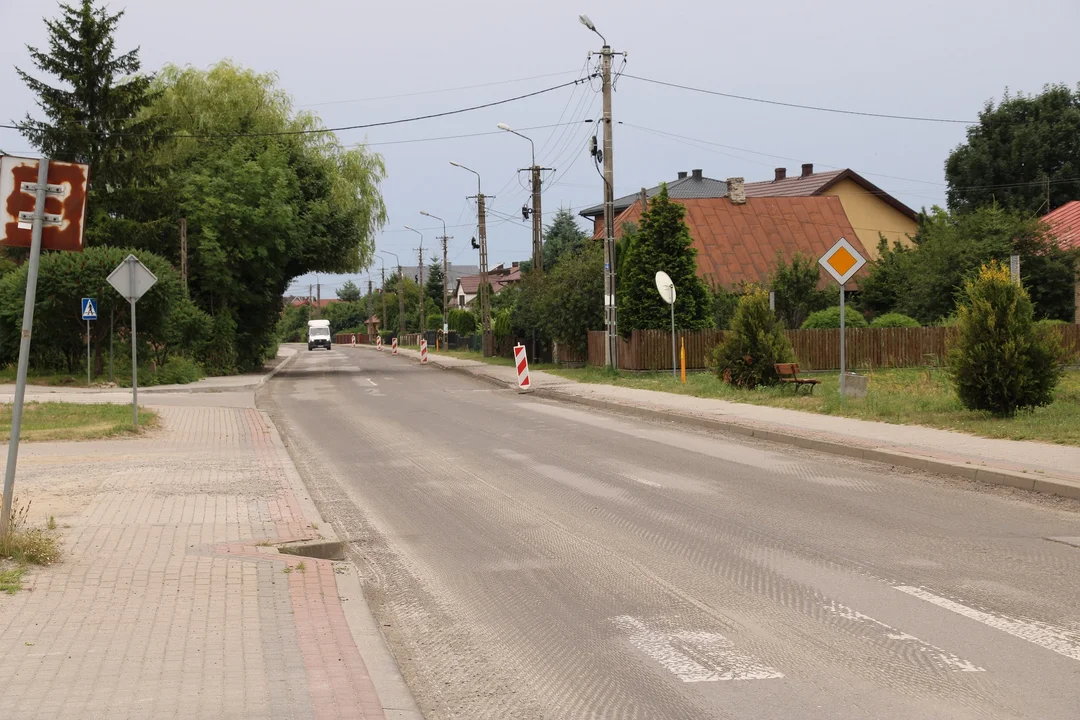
(183, 250)
(382, 291)
(370, 298)
(445, 277)
(485, 299)
(318, 299)
(537, 213)
(610, 311)
(420, 275)
(311, 301)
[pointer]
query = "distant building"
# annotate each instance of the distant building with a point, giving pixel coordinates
(869, 209)
(1064, 225)
(468, 288)
(738, 238)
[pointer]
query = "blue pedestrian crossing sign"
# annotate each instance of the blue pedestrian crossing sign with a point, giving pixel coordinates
(89, 309)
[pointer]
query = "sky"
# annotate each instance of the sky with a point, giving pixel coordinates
(364, 62)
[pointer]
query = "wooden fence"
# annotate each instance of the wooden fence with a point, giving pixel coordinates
(647, 350)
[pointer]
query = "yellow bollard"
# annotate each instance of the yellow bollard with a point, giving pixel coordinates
(682, 358)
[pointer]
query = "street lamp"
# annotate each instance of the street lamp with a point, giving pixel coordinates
(445, 279)
(537, 225)
(400, 295)
(584, 19)
(485, 304)
(420, 276)
(507, 128)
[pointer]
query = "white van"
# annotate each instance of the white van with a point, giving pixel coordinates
(318, 334)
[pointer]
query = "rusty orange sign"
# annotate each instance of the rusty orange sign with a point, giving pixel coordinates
(65, 203)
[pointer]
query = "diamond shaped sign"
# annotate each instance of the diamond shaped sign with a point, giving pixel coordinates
(842, 261)
(131, 278)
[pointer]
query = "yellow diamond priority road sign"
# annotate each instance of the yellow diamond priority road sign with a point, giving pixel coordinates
(842, 261)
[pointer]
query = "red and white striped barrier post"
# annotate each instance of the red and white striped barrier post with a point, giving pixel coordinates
(423, 351)
(378, 343)
(395, 346)
(522, 363)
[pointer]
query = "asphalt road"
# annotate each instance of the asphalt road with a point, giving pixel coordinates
(533, 560)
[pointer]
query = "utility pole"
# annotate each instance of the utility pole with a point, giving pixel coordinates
(420, 256)
(610, 311)
(183, 250)
(485, 300)
(318, 299)
(445, 278)
(310, 302)
(382, 291)
(370, 298)
(537, 214)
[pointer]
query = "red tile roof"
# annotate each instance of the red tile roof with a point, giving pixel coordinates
(1065, 224)
(815, 184)
(739, 243)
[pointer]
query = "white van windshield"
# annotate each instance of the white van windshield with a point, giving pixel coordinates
(319, 332)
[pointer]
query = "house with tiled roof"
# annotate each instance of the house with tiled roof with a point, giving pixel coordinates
(738, 238)
(869, 209)
(468, 287)
(1064, 224)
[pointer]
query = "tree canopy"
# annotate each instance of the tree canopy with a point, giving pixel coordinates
(1024, 152)
(561, 237)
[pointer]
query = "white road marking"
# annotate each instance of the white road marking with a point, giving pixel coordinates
(1062, 641)
(373, 383)
(644, 482)
(943, 658)
(695, 656)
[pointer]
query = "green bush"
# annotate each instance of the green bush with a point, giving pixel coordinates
(755, 343)
(1002, 360)
(220, 356)
(434, 321)
(830, 318)
(462, 321)
(501, 325)
(894, 320)
(387, 336)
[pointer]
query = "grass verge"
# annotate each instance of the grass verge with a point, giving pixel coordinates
(74, 421)
(11, 580)
(902, 396)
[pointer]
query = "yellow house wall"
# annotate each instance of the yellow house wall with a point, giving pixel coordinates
(870, 215)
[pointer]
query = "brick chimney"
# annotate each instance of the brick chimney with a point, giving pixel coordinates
(682, 174)
(781, 173)
(697, 174)
(807, 169)
(736, 190)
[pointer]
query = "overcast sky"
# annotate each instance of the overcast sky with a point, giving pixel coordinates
(343, 59)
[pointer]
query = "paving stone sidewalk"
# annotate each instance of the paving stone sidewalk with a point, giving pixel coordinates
(170, 601)
(1030, 465)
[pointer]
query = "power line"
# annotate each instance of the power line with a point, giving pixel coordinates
(443, 90)
(343, 128)
(818, 108)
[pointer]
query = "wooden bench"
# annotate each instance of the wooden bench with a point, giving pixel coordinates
(789, 374)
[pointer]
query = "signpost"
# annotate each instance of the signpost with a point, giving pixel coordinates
(42, 204)
(89, 312)
(842, 261)
(132, 279)
(667, 291)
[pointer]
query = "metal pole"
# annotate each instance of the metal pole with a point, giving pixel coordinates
(24, 344)
(420, 254)
(401, 302)
(87, 353)
(674, 364)
(112, 322)
(445, 282)
(843, 332)
(610, 310)
(134, 356)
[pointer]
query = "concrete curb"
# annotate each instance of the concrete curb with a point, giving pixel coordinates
(1034, 482)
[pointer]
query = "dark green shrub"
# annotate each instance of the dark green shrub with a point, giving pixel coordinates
(434, 321)
(830, 318)
(501, 325)
(220, 355)
(1002, 360)
(462, 321)
(179, 371)
(894, 320)
(755, 342)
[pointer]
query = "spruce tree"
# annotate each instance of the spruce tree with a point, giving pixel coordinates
(561, 237)
(662, 242)
(94, 115)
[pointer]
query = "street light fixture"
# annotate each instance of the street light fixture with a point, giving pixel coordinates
(507, 128)
(446, 279)
(589, 24)
(485, 303)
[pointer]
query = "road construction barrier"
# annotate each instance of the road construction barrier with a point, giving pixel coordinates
(423, 351)
(395, 346)
(378, 343)
(522, 363)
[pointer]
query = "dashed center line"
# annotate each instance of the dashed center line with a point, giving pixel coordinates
(1062, 641)
(695, 656)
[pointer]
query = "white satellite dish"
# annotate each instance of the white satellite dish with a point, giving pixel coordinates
(666, 287)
